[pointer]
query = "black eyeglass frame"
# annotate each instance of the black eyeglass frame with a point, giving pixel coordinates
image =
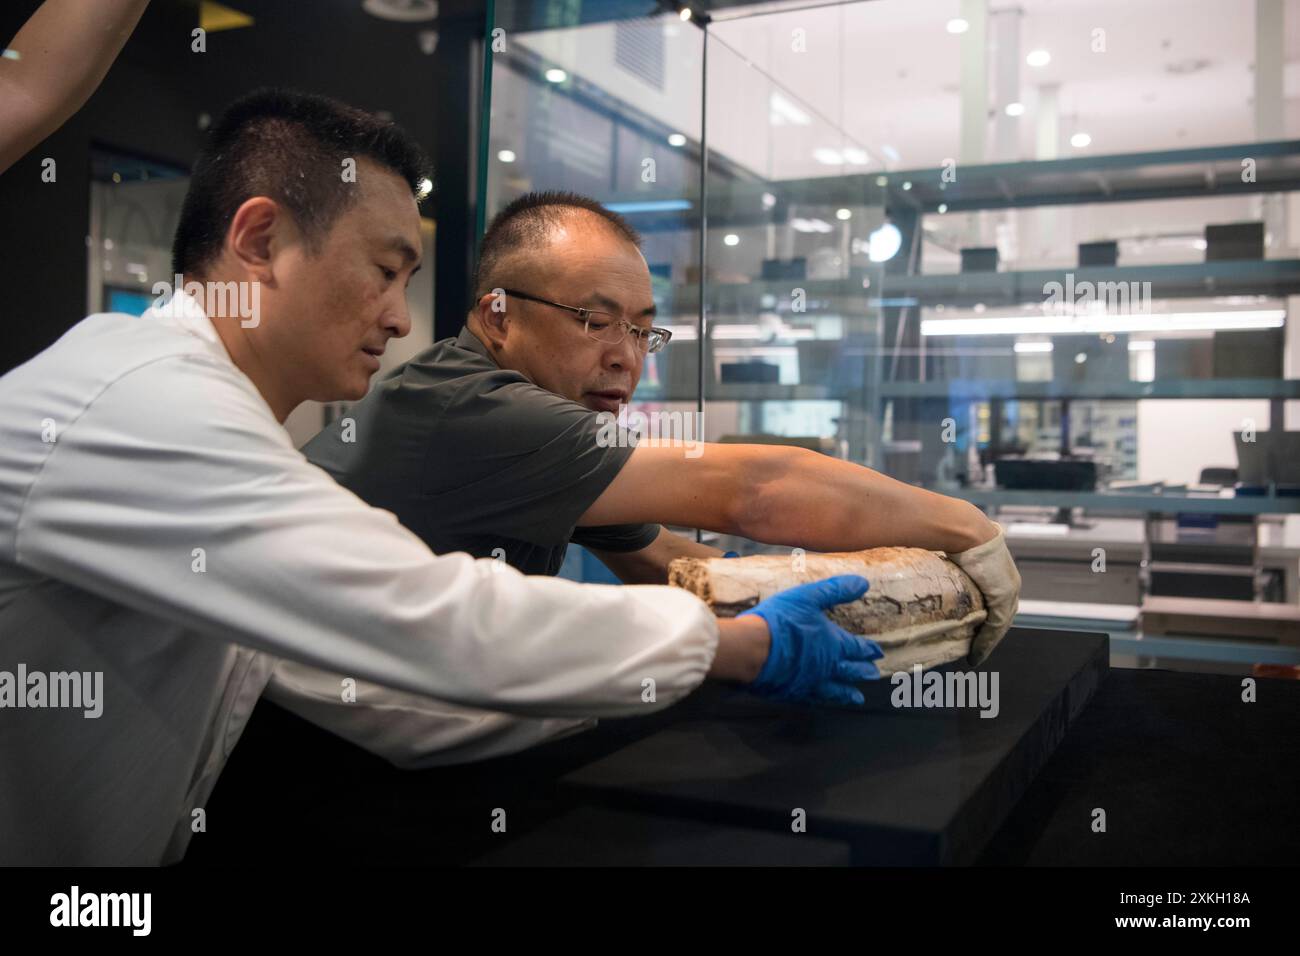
(584, 316)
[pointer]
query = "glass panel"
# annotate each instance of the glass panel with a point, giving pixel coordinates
(923, 246)
(797, 243)
(1060, 263)
(611, 110)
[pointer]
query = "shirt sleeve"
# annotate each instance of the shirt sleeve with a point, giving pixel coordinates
(175, 493)
(408, 730)
(616, 537)
(528, 463)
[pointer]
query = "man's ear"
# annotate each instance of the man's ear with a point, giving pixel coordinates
(493, 316)
(257, 231)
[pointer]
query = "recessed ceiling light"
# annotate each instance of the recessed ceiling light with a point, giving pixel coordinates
(782, 111)
(676, 139)
(1015, 109)
(556, 75)
(958, 25)
(1080, 140)
(943, 208)
(884, 243)
(731, 239)
(506, 156)
(1038, 58)
(403, 11)
(843, 213)
(907, 185)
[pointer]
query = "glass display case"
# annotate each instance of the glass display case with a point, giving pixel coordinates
(868, 246)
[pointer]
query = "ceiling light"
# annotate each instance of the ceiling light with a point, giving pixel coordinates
(884, 243)
(781, 111)
(1038, 58)
(943, 208)
(403, 11)
(685, 14)
(1080, 140)
(556, 75)
(1015, 109)
(843, 213)
(676, 139)
(828, 156)
(958, 25)
(731, 239)
(810, 225)
(507, 156)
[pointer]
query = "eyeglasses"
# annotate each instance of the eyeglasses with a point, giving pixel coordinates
(606, 327)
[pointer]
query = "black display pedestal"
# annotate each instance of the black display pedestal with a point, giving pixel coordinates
(899, 785)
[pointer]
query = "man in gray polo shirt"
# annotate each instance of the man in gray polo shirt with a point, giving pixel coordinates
(473, 457)
(490, 442)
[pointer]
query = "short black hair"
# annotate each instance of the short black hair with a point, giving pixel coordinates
(525, 223)
(290, 147)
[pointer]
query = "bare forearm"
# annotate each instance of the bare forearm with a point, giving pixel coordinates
(56, 61)
(802, 499)
(743, 646)
(650, 564)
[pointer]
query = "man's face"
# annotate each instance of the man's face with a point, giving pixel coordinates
(336, 307)
(587, 265)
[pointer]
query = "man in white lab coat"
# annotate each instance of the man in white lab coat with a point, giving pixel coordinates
(167, 556)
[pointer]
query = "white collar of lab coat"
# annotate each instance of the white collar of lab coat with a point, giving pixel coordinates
(183, 311)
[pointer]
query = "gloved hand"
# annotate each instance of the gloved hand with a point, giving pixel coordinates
(994, 572)
(813, 658)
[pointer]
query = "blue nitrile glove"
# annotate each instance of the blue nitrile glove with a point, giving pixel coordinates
(813, 658)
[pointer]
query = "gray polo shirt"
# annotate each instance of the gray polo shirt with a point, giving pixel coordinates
(473, 457)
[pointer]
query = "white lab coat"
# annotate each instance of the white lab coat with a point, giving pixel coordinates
(164, 456)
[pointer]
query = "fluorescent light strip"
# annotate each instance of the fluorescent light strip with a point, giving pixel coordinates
(660, 205)
(686, 333)
(1067, 324)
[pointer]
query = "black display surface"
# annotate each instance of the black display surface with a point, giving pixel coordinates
(598, 836)
(901, 785)
(1186, 770)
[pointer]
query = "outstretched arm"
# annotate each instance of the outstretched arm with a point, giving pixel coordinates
(787, 496)
(53, 65)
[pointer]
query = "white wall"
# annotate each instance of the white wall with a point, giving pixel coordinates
(1179, 437)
